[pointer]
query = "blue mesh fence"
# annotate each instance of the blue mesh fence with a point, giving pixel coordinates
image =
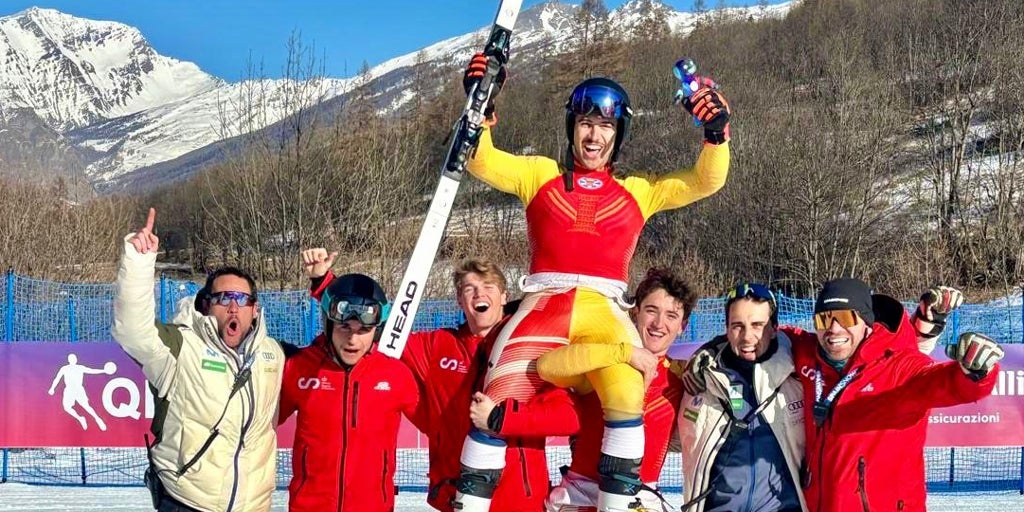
(36, 310)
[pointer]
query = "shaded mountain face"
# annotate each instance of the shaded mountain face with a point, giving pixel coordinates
(92, 100)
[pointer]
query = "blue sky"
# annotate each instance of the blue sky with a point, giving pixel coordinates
(220, 35)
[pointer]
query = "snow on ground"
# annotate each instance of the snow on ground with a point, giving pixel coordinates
(22, 497)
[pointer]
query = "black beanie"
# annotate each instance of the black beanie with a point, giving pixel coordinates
(846, 293)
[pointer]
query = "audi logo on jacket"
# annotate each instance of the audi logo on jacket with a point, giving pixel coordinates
(346, 432)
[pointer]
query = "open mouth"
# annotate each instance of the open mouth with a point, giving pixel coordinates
(591, 151)
(232, 327)
(481, 307)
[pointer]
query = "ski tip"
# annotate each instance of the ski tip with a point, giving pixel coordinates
(508, 11)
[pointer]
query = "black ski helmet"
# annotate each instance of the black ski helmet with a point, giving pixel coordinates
(354, 290)
(595, 95)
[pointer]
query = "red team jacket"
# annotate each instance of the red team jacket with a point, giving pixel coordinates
(347, 429)
(661, 404)
(448, 365)
(869, 453)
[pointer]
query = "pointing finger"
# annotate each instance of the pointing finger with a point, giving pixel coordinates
(150, 219)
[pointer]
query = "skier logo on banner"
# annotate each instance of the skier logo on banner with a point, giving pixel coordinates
(73, 375)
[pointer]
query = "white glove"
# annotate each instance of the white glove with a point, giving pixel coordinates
(976, 353)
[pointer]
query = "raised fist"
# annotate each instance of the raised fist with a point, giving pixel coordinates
(317, 261)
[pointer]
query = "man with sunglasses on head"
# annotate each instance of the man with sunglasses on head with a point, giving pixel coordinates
(583, 222)
(743, 436)
(448, 365)
(868, 390)
(216, 376)
(350, 400)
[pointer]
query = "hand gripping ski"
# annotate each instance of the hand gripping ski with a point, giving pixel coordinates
(464, 137)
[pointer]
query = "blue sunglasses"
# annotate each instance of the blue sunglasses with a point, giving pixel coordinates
(224, 298)
(598, 99)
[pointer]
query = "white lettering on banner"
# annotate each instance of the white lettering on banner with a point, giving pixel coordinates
(963, 418)
(130, 408)
(1009, 383)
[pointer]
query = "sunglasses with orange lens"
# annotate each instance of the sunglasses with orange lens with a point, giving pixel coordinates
(846, 317)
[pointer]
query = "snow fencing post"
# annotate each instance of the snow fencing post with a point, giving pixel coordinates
(72, 324)
(9, 320)
(311, 319)
(3, 467)
(81, 452)
(163, 298)
(952, 467)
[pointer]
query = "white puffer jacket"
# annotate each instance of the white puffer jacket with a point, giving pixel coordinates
(703, 420)
(192, 373)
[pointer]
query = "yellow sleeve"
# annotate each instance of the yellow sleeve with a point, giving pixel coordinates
(512, 174)
(561, 365)
(682, 187)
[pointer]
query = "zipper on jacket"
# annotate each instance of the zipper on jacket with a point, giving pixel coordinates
(344, 440)
(526, 475)
(304, 469)
(246, 423)
(861, 487)
(355, 403)
(384, 479)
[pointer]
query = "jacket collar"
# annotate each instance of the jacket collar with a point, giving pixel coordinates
(776, 368)
(205, 326)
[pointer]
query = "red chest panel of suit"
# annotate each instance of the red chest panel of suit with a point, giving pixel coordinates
(592, 230)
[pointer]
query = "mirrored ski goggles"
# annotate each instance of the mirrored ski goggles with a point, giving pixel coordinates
(846, 317)
(343, 309)
(600, 100)
(755, 290)
(241, 299)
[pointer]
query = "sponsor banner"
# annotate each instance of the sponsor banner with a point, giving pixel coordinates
(89, 395)
(94, 395)
(994, 421)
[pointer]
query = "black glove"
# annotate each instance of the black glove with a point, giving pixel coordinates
(936, 304)
(710, 108)
(694, 380)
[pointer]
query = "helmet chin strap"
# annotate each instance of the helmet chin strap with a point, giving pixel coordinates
(570, 164)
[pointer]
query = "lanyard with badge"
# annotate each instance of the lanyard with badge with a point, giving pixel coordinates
(822, 408)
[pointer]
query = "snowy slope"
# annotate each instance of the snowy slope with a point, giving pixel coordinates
(105, 89)
(73, 72)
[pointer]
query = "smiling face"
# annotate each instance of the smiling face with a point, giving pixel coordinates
(233, 322)
(839, 343)
(660, 319)
(593, 140)
(481, 298)
(749, 328)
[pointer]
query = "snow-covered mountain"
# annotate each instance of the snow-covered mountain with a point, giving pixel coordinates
(124, 116)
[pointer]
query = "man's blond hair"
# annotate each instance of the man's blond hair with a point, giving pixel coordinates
(486, 269)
